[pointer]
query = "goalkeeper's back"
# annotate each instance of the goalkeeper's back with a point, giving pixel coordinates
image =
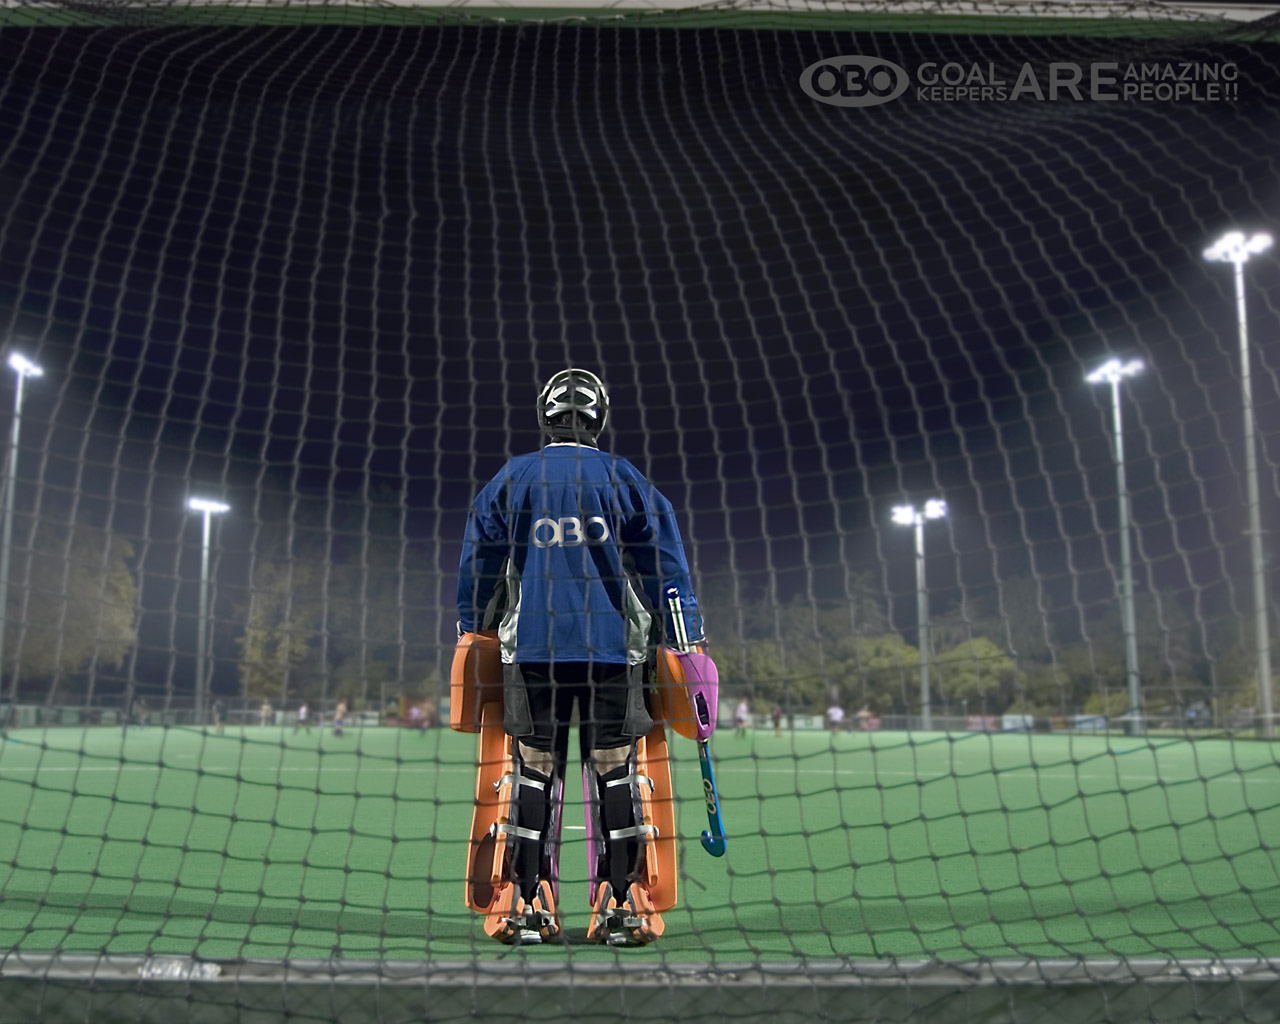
(568, 554)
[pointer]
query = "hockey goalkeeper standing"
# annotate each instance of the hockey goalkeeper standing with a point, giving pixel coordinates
(576, 561)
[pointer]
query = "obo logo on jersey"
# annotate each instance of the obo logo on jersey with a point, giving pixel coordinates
(569, 532)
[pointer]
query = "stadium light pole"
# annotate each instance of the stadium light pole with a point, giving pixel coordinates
(24, 368)
(1113, 372)
(908, 515)
(207, 509)
(1236, 249)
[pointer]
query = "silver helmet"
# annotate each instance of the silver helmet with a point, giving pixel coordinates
(573, 403)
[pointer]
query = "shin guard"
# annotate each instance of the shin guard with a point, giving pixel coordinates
(630, 817)
(497, 853)
(488, 860)
(476, 706)
(515, 824)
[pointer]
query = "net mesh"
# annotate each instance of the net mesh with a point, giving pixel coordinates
(314, 261)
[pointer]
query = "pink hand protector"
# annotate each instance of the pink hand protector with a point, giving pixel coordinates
(689, 689)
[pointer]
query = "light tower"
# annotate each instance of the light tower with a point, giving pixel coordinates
(207, 509)
(24, 368)
(1113, 372)
(1237, 249)
(908, 515)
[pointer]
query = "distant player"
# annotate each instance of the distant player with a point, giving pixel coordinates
(339, 718)
(266, 712)
(741, 716)
(303, 720)
(776, 715)
(576, 561)
(219, 717)
(416, 718)
(835, 717)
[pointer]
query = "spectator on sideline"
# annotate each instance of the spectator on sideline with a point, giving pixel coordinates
(266, 712)
(835, 717)
(741, 715)
(776, 715)
(303, 721)
(219, 717)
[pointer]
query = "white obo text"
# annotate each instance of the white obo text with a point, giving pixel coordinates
(859, 81)
(569, 531)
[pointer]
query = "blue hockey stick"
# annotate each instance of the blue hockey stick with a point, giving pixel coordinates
(713, 840)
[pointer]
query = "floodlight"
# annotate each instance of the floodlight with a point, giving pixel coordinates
(1113, 371)
(1233, 247)
(205, 505)
(24, 366)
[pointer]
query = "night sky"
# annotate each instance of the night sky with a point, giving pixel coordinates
(319, 270)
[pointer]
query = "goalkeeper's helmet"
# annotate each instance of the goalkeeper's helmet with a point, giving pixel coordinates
(573, 406)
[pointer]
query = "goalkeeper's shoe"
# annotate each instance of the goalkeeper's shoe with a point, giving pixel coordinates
(633, 922)
(543, 914)
(513, 921)
(505, 920)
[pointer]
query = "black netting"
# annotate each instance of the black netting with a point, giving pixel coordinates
(315, 262)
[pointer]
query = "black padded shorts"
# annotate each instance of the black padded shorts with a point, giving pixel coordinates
(611, 704)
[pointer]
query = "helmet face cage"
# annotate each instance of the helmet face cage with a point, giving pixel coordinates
(578, 393)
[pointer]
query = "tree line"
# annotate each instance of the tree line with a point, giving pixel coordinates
(1000, 651)
(336, 603)
(343, 604)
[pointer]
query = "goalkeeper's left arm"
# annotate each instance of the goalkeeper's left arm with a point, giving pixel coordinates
(653, 543)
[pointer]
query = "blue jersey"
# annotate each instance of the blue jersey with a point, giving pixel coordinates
(572, 555)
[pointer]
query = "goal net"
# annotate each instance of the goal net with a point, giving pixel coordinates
(279, 284)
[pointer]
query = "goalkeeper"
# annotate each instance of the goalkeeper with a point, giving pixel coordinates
(575, 560)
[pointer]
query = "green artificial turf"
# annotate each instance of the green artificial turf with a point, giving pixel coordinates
(266, 844)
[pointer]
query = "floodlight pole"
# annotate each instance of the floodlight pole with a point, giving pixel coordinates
(1261, 628)
(204, 621)
(206, 510)
(24, 368)
(1112, 372)
(922, 630)
(909, 515)
(1235, 249)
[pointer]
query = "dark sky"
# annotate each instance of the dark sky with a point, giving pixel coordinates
(334, 265)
